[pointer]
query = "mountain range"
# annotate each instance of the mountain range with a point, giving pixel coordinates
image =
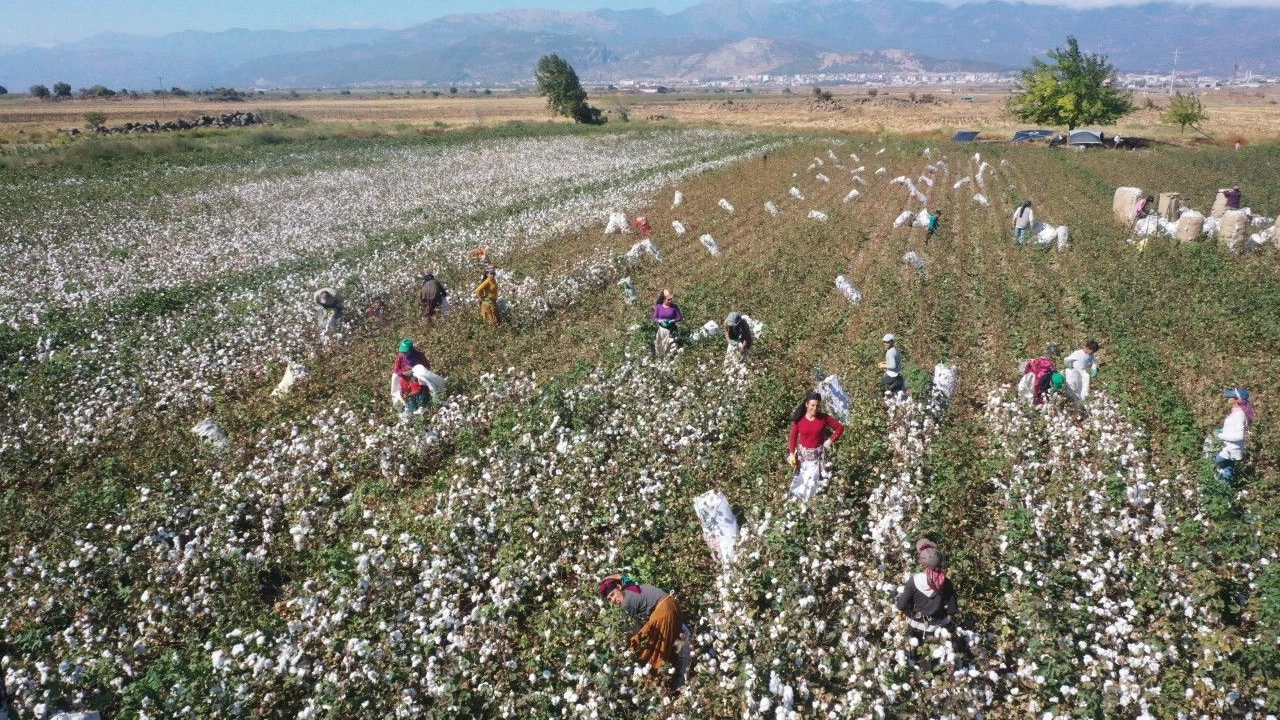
(713, 40)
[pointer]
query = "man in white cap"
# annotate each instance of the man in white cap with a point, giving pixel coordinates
(892, 381)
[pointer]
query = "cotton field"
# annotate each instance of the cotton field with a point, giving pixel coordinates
(183, 541)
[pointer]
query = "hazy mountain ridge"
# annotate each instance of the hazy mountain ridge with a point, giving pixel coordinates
(718, 38)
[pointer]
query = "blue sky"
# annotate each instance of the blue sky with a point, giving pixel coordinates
(32, 22)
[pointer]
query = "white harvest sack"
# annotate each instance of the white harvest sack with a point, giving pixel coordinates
(848, 290)
(719, 525)
(710, 244)
(644, 247)
(795, 193)
(617, 224)
(679, 198)
(725, 205)
(426, 377)
(678, 227)
(945, 379)
(915, 261)
(903, 218)
(822, 178)
(834, 398)
(209, 430)
(1027, 386)
(818, 215)
(852, 194)
(981, 200)
(807, 481)
(292, 374)
(708, 330)
(772, 208)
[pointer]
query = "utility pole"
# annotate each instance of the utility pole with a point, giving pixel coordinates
(1173, 75)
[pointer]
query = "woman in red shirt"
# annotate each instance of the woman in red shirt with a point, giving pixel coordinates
(809, 432)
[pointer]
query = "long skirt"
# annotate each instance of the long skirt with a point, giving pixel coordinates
(655, 642)
(489, 311)
(663, 343)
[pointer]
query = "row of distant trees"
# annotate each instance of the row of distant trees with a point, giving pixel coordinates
(62, 90)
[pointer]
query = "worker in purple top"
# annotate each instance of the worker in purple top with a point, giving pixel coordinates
(1232, 196)
(666, 313)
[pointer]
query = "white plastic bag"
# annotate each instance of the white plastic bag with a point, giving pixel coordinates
(209, 430)
(719, 525)
(617, 224)
(808, 480)
(834, 398)
(848, 290)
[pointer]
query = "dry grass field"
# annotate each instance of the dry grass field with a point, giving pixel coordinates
(1247, 115)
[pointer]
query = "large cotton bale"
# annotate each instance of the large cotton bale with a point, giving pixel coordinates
(1168, 205)
(1219, 205)
(1190, 226)
(1122, 203)
(1233, 228)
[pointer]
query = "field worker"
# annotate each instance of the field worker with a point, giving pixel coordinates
(666, 313)
(1085, 363)
(892, 381)
(1142, 207)
(487, 291)
(377, 310)
(1022, 219)
(813, 432)
(329, 305)
(932, 227)
(737, 333)
(431, 295)
(1042, 370)
(929, 599)
(1232, 196)
(657, 613)
(1232, 433)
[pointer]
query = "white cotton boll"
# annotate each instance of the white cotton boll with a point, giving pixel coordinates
(771, 208)
(795, 193)
(981, 200)
(852, 194)
(725, 205)
(818, 215)
(678, 227)
(710, 244)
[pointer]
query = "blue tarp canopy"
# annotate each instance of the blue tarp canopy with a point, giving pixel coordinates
(1030, 135)
(965, 136)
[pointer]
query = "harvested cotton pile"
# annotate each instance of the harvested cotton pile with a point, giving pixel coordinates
(795, 193)
(772, 208)
(1190, 226)
(678, 227)
(719, 525)
(725, 205)
(981, 200)
(977, 158)
(848, 290)
(818, 215)
(710, 244)
(852, 194)
(617, 224)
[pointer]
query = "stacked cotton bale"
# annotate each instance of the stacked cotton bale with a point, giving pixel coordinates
(1190, 226)
(1123, 201)
(1233, 227)
(1168, 205)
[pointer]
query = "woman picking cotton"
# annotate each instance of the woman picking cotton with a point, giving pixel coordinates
(929, 599)
(654, 644)
(1232, 433)
(666, 313)
(813, 432)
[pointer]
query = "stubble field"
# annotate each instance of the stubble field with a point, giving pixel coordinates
(331, 561)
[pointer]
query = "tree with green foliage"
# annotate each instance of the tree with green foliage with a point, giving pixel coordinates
(61, 89)
(94, 120)
(4, 90)
(39, 91)
(453, 90)
(557, 81)
(1073, 89)
(1184, 111)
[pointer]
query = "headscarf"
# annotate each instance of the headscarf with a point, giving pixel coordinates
(929, 557)
(608, 584)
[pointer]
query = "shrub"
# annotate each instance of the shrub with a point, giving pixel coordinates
(94, 120)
